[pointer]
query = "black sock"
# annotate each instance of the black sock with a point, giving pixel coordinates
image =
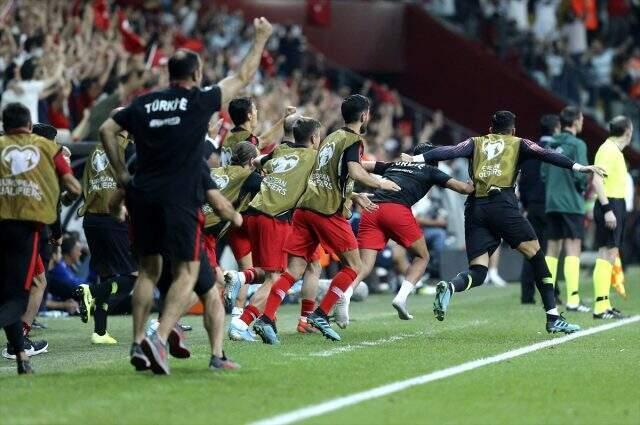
(544, 284)
(100, 318)
(470, 279)
(15, 336)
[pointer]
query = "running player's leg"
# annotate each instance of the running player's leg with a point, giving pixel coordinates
(418, 250)
(239, 326)
(178, 298)
(245, 263)
(150, 269)
(36, 293)
(308, 293)
(368, 260)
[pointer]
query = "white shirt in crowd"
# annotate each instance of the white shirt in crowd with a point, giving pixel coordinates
(602, 66)
(545, 22)
(517, 12)
(575, 34)
(28, 94)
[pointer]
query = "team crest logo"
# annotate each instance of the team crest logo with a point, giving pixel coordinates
(493, 148)
(285, 163)
(325, 154)
(220, 181)
(225, 155)
(20, 159)
(99, 161)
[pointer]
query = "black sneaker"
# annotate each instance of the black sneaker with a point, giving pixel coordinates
(32, 348)
(580, 308)
(605, 315)
(185, 328)
(138, 359)
(24, 367)
(38, 325)
(617, 313)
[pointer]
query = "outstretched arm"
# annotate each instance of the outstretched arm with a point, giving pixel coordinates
(443, 153)
(109, 131)
(530, 150)
(231, 85)
(460, 187)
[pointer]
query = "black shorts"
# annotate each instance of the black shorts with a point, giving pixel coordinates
(206, 277)
(489, 220)
(171, 230)
(605, 237)
(19, 246)
(564, 226)
(109, 245)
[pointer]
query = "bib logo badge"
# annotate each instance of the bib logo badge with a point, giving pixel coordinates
(493, 148)
(20, 159)
(99, 161)
(325, 154)
(285, 163)
(220, 181)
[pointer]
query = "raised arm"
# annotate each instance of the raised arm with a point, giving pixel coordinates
(231, 85)
(275, 133)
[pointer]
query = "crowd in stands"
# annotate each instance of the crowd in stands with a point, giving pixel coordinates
(586, 51)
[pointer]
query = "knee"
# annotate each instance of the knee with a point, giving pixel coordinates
(529, 248)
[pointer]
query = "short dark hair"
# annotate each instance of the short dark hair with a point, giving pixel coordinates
(353, 106)
(243, 153)
(289, 122)
(182, 64)
(569, 115)
(239, 110)
(618, 125)
(68, 243)
(503, 122)
(304, 128)
(45, 130)
(548, 124)
(15, 115)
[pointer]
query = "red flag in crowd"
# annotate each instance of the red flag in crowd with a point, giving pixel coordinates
(319, 12)
(182, 42)
(101, 14)
(131, 41)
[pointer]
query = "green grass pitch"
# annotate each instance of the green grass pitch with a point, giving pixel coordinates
(590, 380)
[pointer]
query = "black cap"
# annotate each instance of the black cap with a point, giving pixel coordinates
(45, 130)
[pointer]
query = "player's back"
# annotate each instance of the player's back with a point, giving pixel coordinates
(415, 179)
(169, 127)
(494, 163)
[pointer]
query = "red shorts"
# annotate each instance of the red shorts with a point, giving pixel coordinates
(389, 221)
(209, 242)
(268, 237)
(311, 228)
(239, 241)
(39, 268)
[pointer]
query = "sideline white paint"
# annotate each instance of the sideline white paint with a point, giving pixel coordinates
(350, 400)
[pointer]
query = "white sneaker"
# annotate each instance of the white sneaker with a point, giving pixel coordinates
(342, 309)
(239, 331)
(401, 308)
(496, 279)
(236, 312)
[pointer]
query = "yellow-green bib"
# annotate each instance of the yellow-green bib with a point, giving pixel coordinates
(232, 139)
(287, 173)
(325, 192)
(29, 188)
(229, 180)
(495, 162)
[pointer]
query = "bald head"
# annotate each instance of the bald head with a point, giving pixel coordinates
(184, 65)
(288, 125)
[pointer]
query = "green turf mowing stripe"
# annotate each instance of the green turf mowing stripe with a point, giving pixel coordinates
(339, 403)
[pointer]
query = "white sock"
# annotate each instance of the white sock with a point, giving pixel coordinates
(239, 324)
(553, 312)
(236, 311)
(349, 293)
(404, 291)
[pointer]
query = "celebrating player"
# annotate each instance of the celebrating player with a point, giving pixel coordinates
(394, 220)
(319, 218)
(492, 212)
(165, 196)
(609, 214)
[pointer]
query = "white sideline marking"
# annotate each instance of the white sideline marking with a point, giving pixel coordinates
(349, 400)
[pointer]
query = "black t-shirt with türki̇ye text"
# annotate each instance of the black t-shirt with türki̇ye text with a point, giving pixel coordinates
(415, 179)
(169, 127)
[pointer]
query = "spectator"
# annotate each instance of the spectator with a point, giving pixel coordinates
(63, 278)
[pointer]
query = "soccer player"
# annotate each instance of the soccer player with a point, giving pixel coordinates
(320, 218)
(107, 237)
(29, 192)
(565, 206)
(165, 196)
(244, 115)
(532, 197)
(492, 212)
(610, 213)
(268, 225)
(394, 220)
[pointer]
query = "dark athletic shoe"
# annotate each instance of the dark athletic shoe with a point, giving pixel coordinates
(443, 298)
(320, 322)
(157, 352)
(32, 348)
(222, 363)
(38, 325)
(24, 367)
(185, 328)
(266, 331)
(560, 325)
(138, 359)
(176, 344)
(580, 308)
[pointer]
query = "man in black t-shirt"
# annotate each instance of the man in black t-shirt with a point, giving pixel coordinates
(393, 219)
(165, 195)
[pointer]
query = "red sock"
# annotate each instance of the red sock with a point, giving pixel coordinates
(277, 294)
(339, 284)
(25, 329)
(249, 314)
(249, 275)
(307, 307)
